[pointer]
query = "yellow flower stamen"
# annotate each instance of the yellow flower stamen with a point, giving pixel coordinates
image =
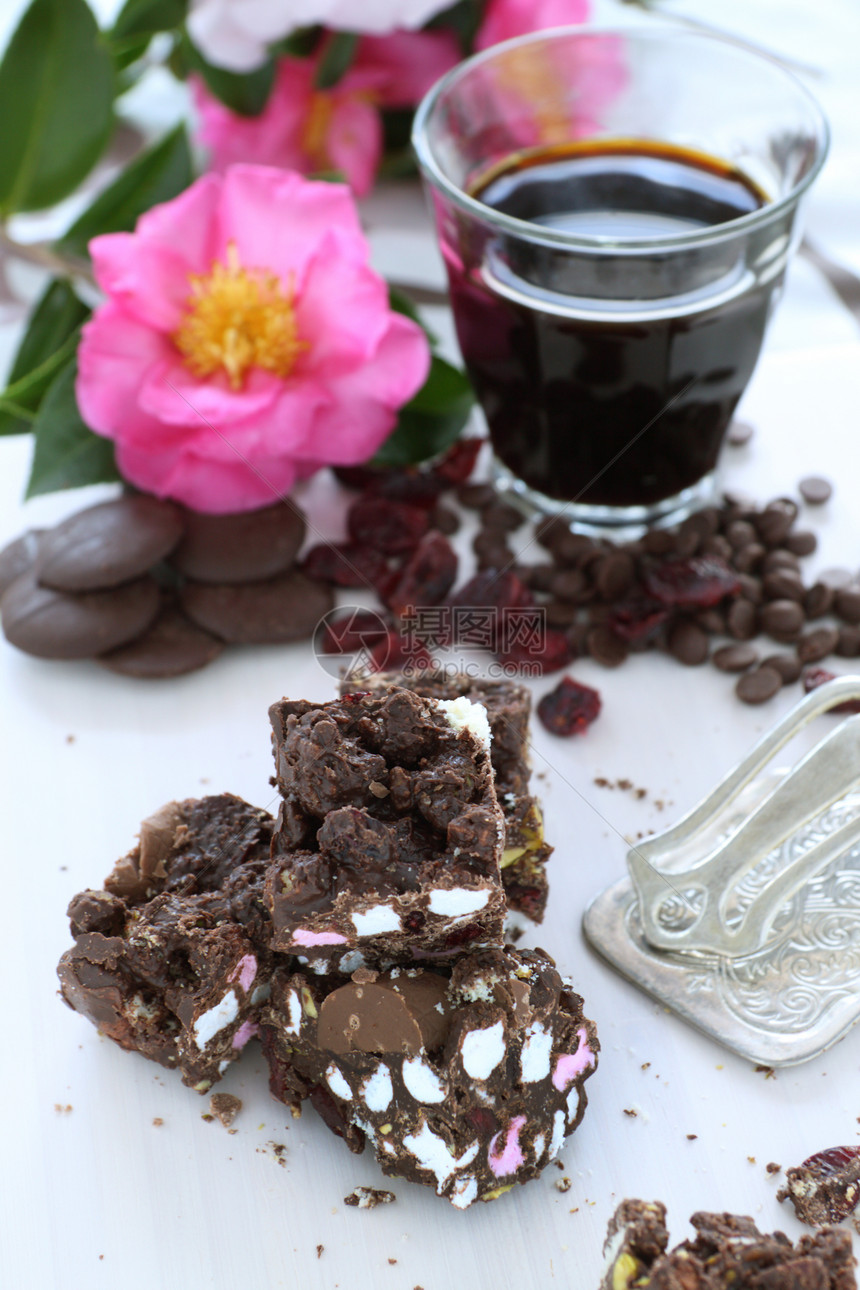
(238, 319)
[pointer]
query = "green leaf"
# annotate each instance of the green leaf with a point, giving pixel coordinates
(156, 175)
(334, 64)
(56, 100)
(48, 343)
(245, 93)
(145, 17)
(463, 18)
(67, 453)
(432, 420)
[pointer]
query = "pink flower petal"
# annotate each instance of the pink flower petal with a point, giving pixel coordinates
(115, 352)
(342, 314)
(354, 140)
(406, 63)
(171, 393)
(504, 19)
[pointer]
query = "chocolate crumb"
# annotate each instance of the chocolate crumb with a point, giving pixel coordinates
(562, 1184)
(392, 1262)
(226, 1107)
(773, 1167)
(320, 1249)
(691, 1137)
(630, 1111)
(645, 1066)
(767, 1071)
(70, 739)
(368, 1197)
(63, 1110)
(158, 1122)
(751, 1159)
(207, 1117)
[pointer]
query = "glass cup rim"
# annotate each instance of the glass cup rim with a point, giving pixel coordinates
(561, 239)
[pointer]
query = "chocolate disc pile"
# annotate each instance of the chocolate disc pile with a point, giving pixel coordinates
(150, 589)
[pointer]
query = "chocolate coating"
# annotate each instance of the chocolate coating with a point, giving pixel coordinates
(108, 544)
(58, 624)
(246, 547)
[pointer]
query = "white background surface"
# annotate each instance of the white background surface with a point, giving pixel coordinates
(99, 1196)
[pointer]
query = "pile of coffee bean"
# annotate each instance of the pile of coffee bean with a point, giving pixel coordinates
(728, 576)
(151, 589)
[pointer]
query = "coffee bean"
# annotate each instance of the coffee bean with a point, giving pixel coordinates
(60, 624)
(688, 643)
(803, 542)
(818, 600)
(613, 576)
(815, 490)
(705, 522)
(848, 644)
(569, 584)
(742, 620)
(718, 546)
(780, 559)
(750, 588)
(606, 648)
(548, 529)
(782, 619)
(735, 658)
(246, 547)
(788, 666)
(740, 533)
(846, 604)
(539, 577)
(815, 645)
(491, 549)
(748, 557)
(688, 540)
(712, 620)
(783, 584)
(774, 524)
(658, 542)
(571, 548)
(503, 517)
(106, 545)
(759, 686)
(475, 497)
(444, 520)
(739, 433)
(560, 613)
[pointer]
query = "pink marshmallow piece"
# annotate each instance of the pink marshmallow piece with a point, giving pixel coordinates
(304, 937)
(246, 1031)
(245, 970)
(569, 1065)
(511, 1157)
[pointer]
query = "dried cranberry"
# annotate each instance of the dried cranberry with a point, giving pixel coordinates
(390, 527)
(697, 583)
(458, 462)
(826, 1187)
(463, 935)
(332, 1115)
(345, 564)
(395, 651)
(483, 1121)
(427, 576)
(551, 651)
(815, 676)
(569, 709)
(356, 630)
(414, 922)
(636, 621)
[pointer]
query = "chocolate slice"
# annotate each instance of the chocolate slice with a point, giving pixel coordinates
(106, 545)
(57, 624)
(246, 547)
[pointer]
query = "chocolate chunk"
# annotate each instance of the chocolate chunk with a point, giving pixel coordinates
(486, 1106)
(688, 643)
(783, 584)
(815, 490)
(606, 648)
(282, 609)
(846, 604)
(742, 620)
(368, 1198)
(19, 557)
(613, 575)
(759, 686)
(225, 1107)
(58, 624)
(826, 1187)
(172, 646)
(728, 1250)
(848, 644)
(108, 544)
(402, 1015)
(818, 600)
(246, 547)
(735, 658)
(802, 542)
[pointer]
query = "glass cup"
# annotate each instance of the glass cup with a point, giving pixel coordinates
(616, 210)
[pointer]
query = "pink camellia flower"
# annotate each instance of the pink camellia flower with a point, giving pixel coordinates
(245, 341)
(236, 33)
(504, 19)
(310, 130)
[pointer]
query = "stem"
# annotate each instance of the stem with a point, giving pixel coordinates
(42, 255)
